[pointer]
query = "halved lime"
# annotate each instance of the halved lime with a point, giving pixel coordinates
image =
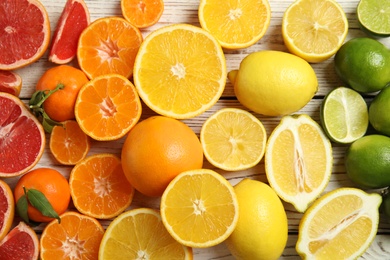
(344, 115)
(374, 17)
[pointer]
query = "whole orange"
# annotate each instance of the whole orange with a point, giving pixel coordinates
(156, 150)
(59, 106)
(52, 184)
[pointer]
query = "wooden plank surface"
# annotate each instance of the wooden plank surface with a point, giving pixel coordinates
(185, 11)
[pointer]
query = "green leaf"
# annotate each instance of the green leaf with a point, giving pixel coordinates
(21, 208)
(38, 200)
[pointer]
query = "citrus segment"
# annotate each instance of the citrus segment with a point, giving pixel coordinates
(22, 137)
(180, 71)
(339, 225)
(298, 160)
(199, 208)
(141, 226)
(108, 45)
(76, 237)
(235, 24)
(20, 243)
(233, 139)
(99, 187)
(73, 20)
(25, 33)
(314, 29)
(10, 82)
(344, 115)
(142, 13)
(107, 107)
(68, 143)
(7, 209)
(374, 17)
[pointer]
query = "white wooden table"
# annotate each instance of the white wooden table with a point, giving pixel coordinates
(185, 11)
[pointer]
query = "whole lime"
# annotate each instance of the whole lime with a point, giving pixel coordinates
(385, 206)
(262, 229)
(274, 83)
(364, 64)
(378, 112)
(367, 161)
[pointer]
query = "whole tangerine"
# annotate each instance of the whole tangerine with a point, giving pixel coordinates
(52, 184)
(59, 106)
(156, 150)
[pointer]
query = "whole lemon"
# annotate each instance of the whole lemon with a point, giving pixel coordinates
(378, 112)
(262, 228)
(274, 83)
(367, 161)
(363, 64)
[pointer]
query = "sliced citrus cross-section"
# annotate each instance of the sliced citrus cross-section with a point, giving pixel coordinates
(235, 24)
(298, 160)
(374, 17)
(10, 82)
(233, 139)
(180, 71)
(7, 208)
(142, 13)
(76, 237)
(339, 225)
(108, 45)
(199, 208)
(314, 29)
(99, 187)
(141, 226)
(107, 107)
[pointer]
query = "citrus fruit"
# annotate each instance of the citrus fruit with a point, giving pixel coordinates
(274, 83)
(22, 137)
(262, 228)
(344, 115)
(21, 20)
(235, 24)
(142, 13)
(199, 208)
(99, 187)
(141, 226)
(59, 106)
(367, 161)
(233, 139)
(73, 20)
(76, 237)
(20, 243)
(107, 107)
(68, 143)
(339, 225)
(7, 209)
(374, 17)
(298, 160)
(52, 184)
(156, 150)
(314, 29)
(10, 82)
(108, 45)
(378, 111)
(189, 75)
(385, 206)
(364, 64)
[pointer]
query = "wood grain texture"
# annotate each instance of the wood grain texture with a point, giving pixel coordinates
(185, 11)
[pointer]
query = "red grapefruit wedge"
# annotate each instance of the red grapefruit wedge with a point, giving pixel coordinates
(22, 138)
(25, 33)
(73, 20)
(7, 209)
(10, 82)
(20, 243)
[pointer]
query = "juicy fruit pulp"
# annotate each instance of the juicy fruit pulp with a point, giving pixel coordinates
(142, 13)
(7, 209)
(10, 82)
(374, 17)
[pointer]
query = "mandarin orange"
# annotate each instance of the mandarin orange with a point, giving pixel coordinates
(142, 13)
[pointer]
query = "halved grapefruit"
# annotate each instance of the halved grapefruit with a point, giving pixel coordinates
(10, 82)
(7, 209)
(73, 20)
(20, 243)
(25, 33)
(22, 137)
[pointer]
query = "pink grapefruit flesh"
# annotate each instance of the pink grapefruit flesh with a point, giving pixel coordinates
(7, 209)
(10, 82)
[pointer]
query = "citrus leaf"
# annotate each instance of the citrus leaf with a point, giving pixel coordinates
(40, 202)
(21, 208)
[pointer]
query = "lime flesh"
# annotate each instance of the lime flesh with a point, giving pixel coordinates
(374, 17)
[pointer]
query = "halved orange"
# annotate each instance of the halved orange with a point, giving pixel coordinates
(107, 107)
(142, 13)
(108, 45)
(7, 208)
(10, 82)
(25, 33)
(99, 187)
